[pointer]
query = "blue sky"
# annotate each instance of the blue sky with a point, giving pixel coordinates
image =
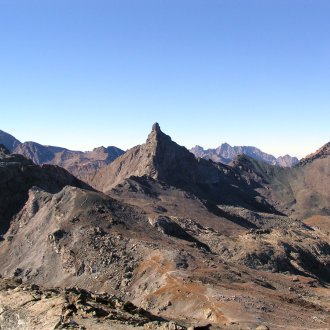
(86, 73)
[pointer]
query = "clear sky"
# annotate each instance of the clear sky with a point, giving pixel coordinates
(80, 73)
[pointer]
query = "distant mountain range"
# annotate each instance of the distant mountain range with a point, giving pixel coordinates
(78, 163)
(225, 153)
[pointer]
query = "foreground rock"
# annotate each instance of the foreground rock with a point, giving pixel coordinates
(199, 270)
(32, 307)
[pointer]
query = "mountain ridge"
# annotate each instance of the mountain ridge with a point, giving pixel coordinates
(79, 163)
(322, 152)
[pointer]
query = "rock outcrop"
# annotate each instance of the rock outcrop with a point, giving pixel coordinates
(33, 307)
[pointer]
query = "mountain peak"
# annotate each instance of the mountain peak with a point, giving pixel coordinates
(159, 158)
(156, 127)
(156, 132)
(156, 135)
(99, 149)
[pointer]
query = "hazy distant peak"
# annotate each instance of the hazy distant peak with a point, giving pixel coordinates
(101, 148)
(225, 153)
(226, 145)
(287, 161)
(111, 152)
(197, 147)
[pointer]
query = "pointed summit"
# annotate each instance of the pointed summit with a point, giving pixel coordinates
(156, 127)
(155, 132)
(159, 158)
(156, 135)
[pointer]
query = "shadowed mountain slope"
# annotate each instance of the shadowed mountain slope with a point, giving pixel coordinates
(8, 141)
(301, 191)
